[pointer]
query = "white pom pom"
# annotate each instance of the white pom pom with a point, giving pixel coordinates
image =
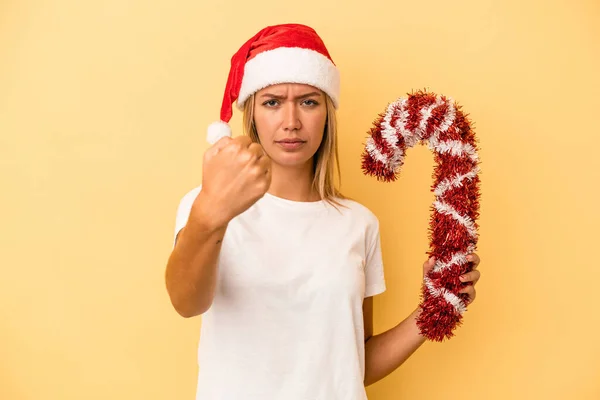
(216, 131)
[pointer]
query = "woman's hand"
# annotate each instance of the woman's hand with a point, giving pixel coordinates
(236, 173)
(470, 278)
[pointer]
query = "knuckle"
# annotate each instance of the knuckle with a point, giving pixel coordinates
(246, 155)
(257, 171)
(224, 141)
(234, 146)
(259, 150)
(243, 140)
(255, 146)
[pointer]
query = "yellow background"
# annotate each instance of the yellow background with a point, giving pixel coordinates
(103, 111)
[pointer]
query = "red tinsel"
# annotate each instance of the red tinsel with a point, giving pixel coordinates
(426, 117)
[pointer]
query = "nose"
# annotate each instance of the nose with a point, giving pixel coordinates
(291, 120)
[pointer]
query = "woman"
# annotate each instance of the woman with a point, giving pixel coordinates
(282, 267)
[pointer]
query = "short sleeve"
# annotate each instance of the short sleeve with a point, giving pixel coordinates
(374, 277)
(183, 210)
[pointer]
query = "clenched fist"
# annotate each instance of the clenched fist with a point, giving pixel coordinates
(236, 174)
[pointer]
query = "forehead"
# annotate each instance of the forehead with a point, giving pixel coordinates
(289, 89)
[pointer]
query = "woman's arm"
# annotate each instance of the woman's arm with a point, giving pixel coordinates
(387, 351)
(236, 173)
(191, 272)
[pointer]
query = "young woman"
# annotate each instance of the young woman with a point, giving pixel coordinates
(282, 267)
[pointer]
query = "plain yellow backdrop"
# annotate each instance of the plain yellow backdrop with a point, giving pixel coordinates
(103, 113)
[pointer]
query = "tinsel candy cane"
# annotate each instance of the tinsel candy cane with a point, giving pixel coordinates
(439, 121)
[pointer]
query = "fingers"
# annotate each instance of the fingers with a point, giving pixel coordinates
(224, 141)
(268, 174)
(257, 150)
(471, 292)
(219, 144)
(244, 141)
(428, 265)
(264, 171)
(245, 147)
(264, 162)
(472, 276)
(474, 258)
(241, 147)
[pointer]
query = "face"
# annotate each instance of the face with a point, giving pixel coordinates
(290, 120)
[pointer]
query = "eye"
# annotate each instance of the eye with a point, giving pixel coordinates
(271, 103)
(311, 102)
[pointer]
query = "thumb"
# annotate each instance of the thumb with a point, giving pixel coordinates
(428, 265)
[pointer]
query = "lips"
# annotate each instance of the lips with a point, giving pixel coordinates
(290, 141)
(290, 144)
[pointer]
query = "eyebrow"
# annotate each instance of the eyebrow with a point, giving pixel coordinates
(281, 97)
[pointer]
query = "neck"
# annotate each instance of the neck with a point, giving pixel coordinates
(293, 183)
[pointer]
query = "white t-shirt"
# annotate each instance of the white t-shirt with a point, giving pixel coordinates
(286, 322)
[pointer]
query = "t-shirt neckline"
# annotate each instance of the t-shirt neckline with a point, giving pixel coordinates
(298, 205)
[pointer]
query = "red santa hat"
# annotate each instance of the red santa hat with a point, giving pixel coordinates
(287, 53)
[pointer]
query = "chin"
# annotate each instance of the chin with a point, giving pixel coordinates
(292, 159)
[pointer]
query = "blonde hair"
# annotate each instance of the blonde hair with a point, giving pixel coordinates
(326, 161)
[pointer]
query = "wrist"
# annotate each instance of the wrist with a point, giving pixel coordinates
(415, 317)
(416, 313)
(207, 216)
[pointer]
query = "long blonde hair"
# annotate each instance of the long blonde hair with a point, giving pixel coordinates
(326, 161)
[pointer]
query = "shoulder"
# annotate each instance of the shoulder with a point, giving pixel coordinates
(360, 212)
(184, 209)
(189, 197)
(185, 204)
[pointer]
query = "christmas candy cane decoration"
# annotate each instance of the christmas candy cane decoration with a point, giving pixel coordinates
(424, 116)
